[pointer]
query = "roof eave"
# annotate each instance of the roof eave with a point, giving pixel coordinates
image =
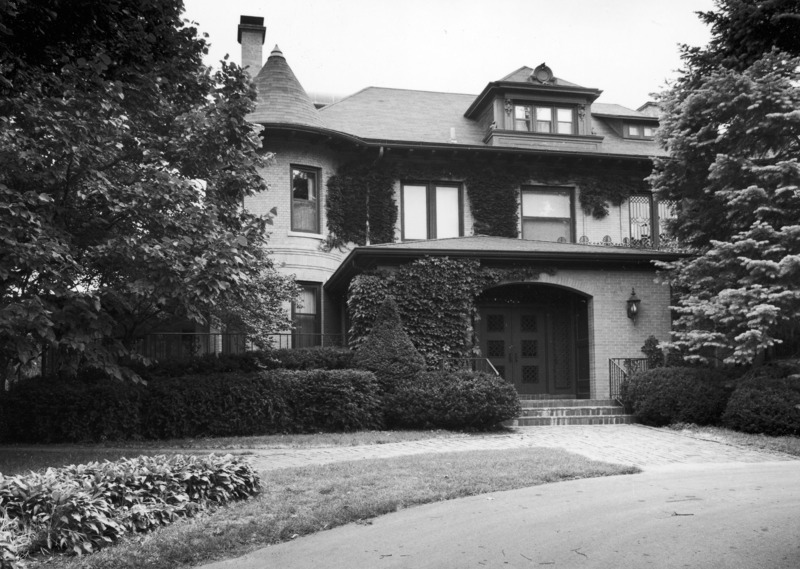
(478, 103)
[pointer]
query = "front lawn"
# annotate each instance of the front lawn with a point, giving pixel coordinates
(299, 501)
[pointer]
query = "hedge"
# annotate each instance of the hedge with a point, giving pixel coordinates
(767, 400)
(222, 404)
(81, 509)
(667, 395)
(452, 400)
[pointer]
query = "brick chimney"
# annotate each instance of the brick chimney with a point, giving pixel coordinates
(251, 35)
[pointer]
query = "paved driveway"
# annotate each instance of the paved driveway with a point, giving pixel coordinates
(623, 444)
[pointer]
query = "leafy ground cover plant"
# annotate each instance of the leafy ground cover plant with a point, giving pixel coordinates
(82, 509)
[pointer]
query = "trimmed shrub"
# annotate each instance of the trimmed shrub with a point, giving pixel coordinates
(452, 400)
(313, 358)
(668, 395)
(387, 350)
(51, 410)
(224, 404)
(767, 400)
(81, 509)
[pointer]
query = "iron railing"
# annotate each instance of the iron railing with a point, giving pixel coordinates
(177, 346)
(620, 369)
(472, 364)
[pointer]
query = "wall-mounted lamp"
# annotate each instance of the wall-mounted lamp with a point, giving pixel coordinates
(633, 306)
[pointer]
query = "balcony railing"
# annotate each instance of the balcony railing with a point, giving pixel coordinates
(471, 364)
(620, 369)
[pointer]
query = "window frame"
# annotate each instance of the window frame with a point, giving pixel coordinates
(656, 219)
(317, 172)
(642, 126)
(532, 107)
(430, 207)
(533, 188)
(297, 339)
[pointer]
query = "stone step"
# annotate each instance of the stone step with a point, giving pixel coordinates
(572, 411)
(584, 420)
(536, 403)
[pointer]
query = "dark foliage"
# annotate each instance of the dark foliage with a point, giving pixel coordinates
(461, 400)
(221, 404)
(767, 400)
(387, 351)
(664, 396)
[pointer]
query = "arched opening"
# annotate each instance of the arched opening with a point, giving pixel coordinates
(537, 337)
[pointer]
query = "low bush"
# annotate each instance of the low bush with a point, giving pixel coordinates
(312, 358)
(81, 509)
(222, 404)
(668, 395)
(452, 400)
(767, 400)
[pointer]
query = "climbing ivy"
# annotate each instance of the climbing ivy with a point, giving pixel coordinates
(361, 195)
(436, 299)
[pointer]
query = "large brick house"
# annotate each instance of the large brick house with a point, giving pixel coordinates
(581, 209)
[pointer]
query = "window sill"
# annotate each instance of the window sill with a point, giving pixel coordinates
(304, 234)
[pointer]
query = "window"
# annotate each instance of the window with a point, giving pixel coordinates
(431, 211)
(305, 199)
(547, 214)
(305, 316)
(537, 118)
(643, 217)
(639, 131)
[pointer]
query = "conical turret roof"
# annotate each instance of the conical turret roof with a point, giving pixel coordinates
(281, 97)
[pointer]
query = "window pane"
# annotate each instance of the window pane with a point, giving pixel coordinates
(564, 115)
(639, 209)
(547, 229)
(522, 118)
(649, 131)
(415, 212)
(544, 114)
(565, 128)
(447, 212)
(307, 301)
(634, 130)
(546, 204)
(305, 215)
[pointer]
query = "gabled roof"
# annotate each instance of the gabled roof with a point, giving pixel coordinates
(281, 97)
(522, 75)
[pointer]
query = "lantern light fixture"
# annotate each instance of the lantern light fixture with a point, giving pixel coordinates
(633, 305)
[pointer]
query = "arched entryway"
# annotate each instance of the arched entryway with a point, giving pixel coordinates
(537, 337)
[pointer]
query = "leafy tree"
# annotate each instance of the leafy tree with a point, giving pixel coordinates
(125, 163)
(731, 126)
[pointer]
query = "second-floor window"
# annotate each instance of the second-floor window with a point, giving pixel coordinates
(431, 211)
(305, 199)
(543, 118)
(645, 213)
(547, 214)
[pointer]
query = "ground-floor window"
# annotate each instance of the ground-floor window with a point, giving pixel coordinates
(306, 316)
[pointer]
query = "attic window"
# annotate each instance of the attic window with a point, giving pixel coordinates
(539, 118)
(639, 131)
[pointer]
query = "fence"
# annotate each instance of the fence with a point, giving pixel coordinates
(620, 369)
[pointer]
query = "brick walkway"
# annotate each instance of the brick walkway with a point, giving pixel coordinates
(625, 444)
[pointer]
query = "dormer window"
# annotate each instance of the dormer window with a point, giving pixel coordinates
(546, 119)
(639, 131)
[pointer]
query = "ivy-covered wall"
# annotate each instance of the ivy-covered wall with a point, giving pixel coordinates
(436, 299)
(361, 207)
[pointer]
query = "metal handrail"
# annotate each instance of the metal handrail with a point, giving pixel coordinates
(472, 364)
(619, 370)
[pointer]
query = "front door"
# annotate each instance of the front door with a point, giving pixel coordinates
(529, 347)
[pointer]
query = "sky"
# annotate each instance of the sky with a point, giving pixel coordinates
(627, 48)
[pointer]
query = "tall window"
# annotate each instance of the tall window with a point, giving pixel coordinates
(547, 214)
(645, 214)
(537, 118)
(305, 316)
(431, 211)
(305, 199)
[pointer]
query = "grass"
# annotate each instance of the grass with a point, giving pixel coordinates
(22, 459)
(784, 444)
(301, 501)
